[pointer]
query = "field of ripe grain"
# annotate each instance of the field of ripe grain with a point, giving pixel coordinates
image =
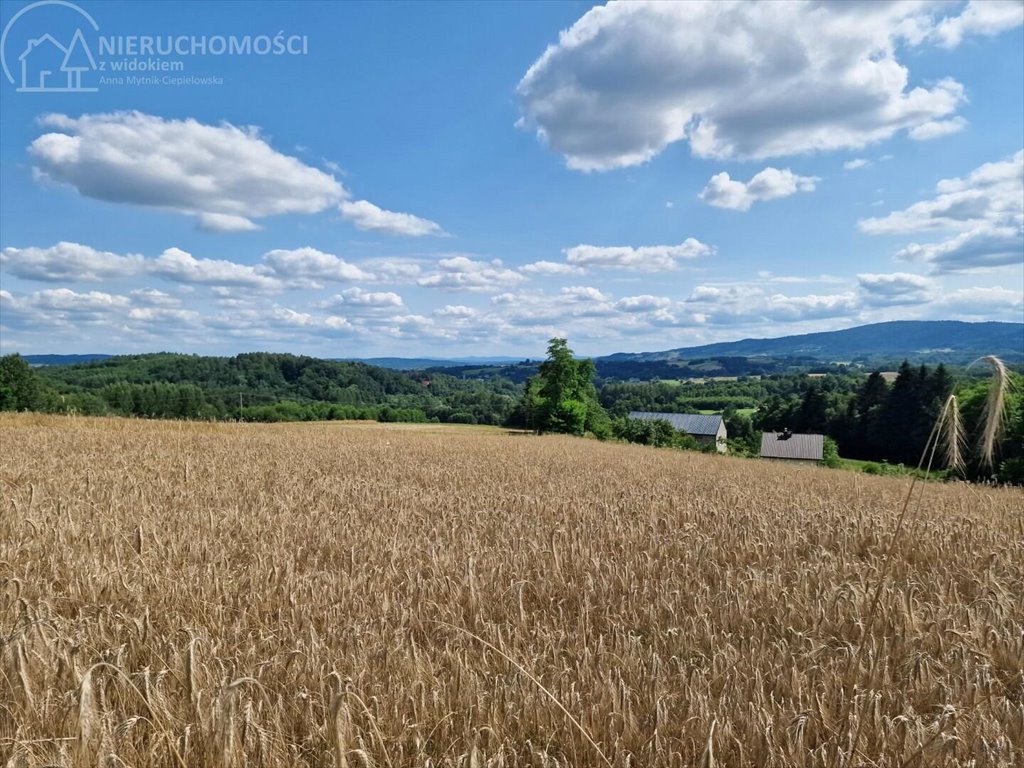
(177, 594)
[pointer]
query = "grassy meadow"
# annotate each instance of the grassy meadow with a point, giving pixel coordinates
(329, 594)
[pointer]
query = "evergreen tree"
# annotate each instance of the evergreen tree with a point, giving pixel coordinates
(896, 430)
(866, 417)
(812, 416)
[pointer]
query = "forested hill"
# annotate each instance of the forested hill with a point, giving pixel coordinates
(947, 341)
(270, 387)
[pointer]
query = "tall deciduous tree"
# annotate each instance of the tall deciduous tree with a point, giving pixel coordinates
(20, 389)
(562, 397)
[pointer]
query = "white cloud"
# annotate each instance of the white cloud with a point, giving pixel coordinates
(223, 174)
(645, 303)
(550, 268)
(993, 192)
(308, 265)
(766, 276)
(856, 163)
(579, 293)
(416, 327)
(153, 297)
(458, 311)
(394, 269)
(357, 298)
(280, 323)
(976, 249)
(179, 266)
(62, 308)
(649, 258)
(748, 304)
(994, 303)
(461, 273)
(225, 222)
(68, 301)
(894, 289)
(162, 316)
(368, 217)
(935, 129)
(68, 262)
(734, 79)
(980, 17)
(769, 184)
(985, 210)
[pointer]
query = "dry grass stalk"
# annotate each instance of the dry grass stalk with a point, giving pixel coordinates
(948, 432)
(953, 437)
(995, 408)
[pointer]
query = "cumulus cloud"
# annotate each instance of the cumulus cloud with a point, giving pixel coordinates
(310, 266)
(935, 129)
(734, 79)
(985, 210)
(648, 258)
(748, 304)
(180, 266)
(69, 262)
(395, 269)
(769, 184)
(897, 288)
(68, 301)
(225, 222)
(994, 303)
(578, 293)
(980, 17)
(162, 316)
(223, 174)
(977, 249)
(368, 217)
(856, 163)
(990, 193)
(280, 323)
(62, 310)
(550, 268)
(359, 299)
(459, 311)
(296, 268)
(645, 303)
(461, 273)
(153, 297)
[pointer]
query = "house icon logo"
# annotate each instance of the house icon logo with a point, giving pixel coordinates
(47, 64)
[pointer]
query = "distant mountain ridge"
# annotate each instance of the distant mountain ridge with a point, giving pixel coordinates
(421, 363)
(916, 340)
(63, 359)
(931, 341)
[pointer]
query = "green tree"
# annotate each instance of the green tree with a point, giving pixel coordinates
(20, 389)
(562, 397)
(830, 454)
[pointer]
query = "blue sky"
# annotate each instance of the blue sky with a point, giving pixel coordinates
(472, 179)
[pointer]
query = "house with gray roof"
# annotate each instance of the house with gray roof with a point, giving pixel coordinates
(790, 446)
(705, 429)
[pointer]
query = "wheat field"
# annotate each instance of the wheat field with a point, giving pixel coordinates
(181, 594)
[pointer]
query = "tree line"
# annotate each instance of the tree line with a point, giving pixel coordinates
(868, 418)
(251, 387)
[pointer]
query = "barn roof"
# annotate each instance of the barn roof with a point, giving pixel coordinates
(808, 447)
(690, 423)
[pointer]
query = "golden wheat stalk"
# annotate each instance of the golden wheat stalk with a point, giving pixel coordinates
(995, 408)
